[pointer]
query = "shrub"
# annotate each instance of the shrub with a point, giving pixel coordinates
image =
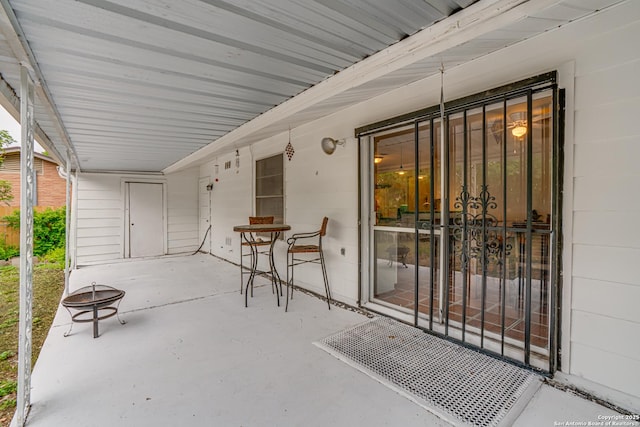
(48, 229)
(7, 252)
(55, 256)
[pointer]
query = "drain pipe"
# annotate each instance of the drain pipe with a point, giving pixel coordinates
(66, 175)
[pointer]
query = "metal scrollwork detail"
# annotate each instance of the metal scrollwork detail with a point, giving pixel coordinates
(474, 230)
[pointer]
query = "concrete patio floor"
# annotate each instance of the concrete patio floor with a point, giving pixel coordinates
(191, 354)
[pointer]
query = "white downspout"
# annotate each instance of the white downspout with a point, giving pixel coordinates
(67, 177)
(71, 184)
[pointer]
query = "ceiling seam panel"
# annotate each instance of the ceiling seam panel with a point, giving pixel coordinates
(395, 15)
(131, 129)
(160, 123)
(131, 115)
(226, 85)
(181, 28)
(263, 37)
(83, 102)
(362, 17)
(72, 29)
(202, 98)
(284, 27)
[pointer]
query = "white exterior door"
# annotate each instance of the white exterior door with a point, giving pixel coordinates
(146, 219)
(204, 197)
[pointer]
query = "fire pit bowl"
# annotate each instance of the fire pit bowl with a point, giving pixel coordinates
(91, 304)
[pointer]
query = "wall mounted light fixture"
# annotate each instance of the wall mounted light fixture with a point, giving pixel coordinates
(329, 144)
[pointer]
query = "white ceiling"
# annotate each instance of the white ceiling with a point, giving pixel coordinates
(141, 85)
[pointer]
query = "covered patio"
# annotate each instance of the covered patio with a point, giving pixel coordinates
(191, 354)
(175, 121)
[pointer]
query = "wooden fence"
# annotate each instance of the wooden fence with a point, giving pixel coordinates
(11, 236)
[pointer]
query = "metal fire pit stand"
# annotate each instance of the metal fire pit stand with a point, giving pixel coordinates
(98, 301)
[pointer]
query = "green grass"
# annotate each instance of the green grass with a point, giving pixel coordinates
(48, 284)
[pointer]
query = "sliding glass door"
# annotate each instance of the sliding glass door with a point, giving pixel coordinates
(395, 220)
(462, 232)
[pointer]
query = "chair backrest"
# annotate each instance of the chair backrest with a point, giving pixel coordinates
(323, 229)
(261, 220)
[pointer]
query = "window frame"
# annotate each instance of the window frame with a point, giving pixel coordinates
(278, 219)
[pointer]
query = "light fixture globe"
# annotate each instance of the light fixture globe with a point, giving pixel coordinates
(329, 144)
(519, 130)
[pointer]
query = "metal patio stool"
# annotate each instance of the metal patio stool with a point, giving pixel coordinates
(296, 250)
(254, 244)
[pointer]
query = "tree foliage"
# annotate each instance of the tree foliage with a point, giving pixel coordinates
(6, 138)
(48, 229)
(5, 186)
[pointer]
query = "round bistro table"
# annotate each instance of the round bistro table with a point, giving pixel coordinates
(246, 233)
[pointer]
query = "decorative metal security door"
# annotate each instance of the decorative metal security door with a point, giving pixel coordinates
(464, 230)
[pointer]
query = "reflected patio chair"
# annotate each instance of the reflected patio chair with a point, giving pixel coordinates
(298, 253)
(397, 253)
(256, 242)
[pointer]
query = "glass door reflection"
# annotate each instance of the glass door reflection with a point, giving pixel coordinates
(474, 265)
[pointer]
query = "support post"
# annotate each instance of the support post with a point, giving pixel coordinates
(26, 246)
(74, 217)
(67, 224)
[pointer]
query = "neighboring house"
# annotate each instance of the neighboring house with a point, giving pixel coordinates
(50, 186)
(517, 224)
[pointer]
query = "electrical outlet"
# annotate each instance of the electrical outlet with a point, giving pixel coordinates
(227, 241)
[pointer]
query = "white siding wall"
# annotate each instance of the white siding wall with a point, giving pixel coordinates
(100, 218)
(316, 185)
(182, 211)
(606, 238)
(101, 214)
(230, 202)
(599, 63)
(601, 323)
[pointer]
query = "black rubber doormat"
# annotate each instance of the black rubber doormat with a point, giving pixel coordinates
(461, 385)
